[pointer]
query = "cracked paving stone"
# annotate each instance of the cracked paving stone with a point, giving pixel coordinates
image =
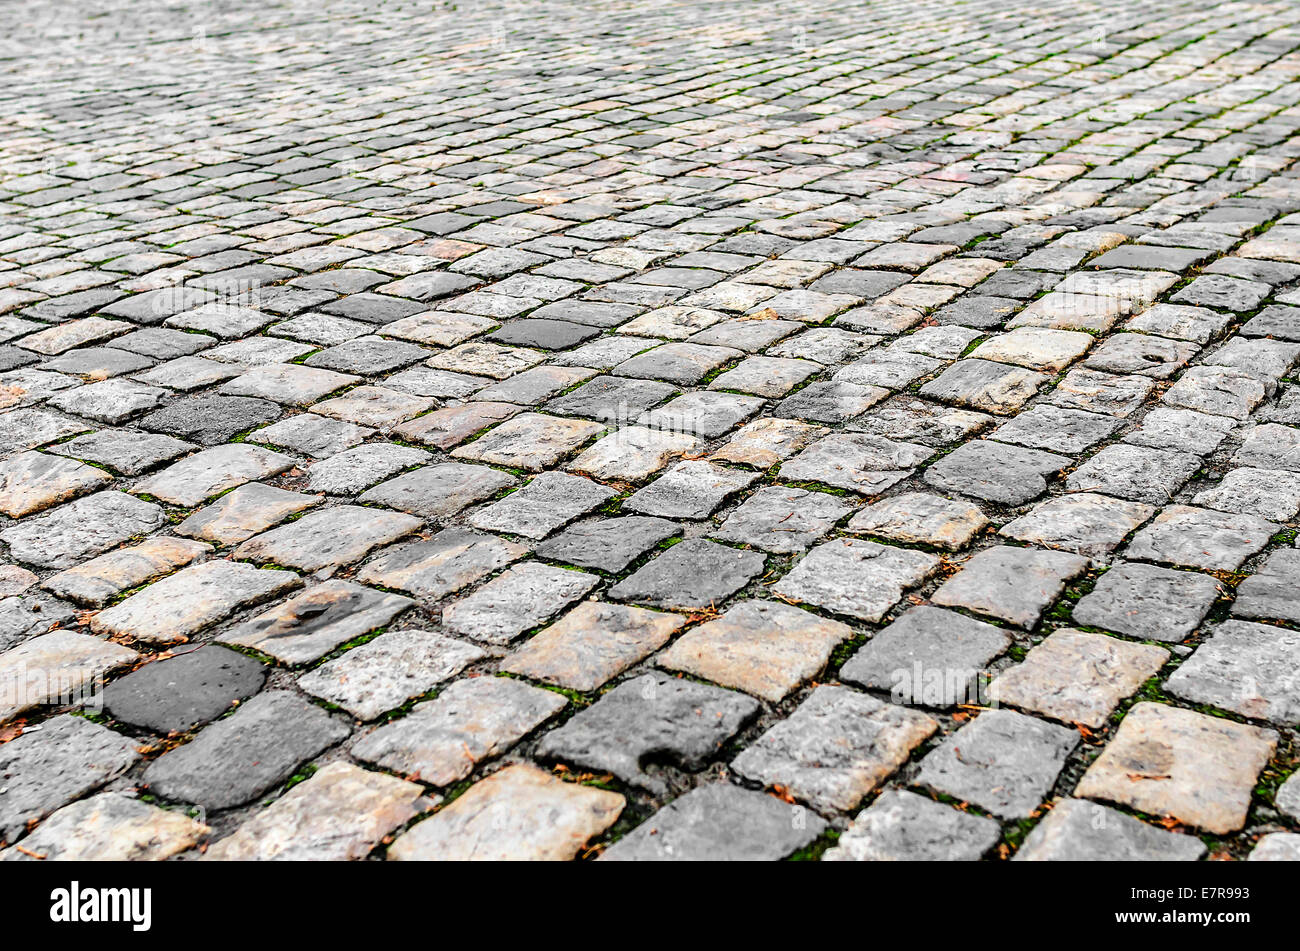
(1011, 584)
(384, 673)
(1244, 667)
(765, 442)
(984, 385)
(764, 648)
(692, 574)
(242, 513)
(719, 822)
(110, 827)
(592, 644)
(177, 694)
(442, 740)
(311, 624)
(858, 578)
(96, 581)
(901, 826)
(1076, 830)
(609, 544)
(33, 481)
(180, 605)
(928, 656)
(81, 529)
(354, 470)
(1085, 524)
(441, 490)
(486, 359)
(1077, 676)
(691, 490)
(59, 664)
(782, 520)
(835, 748)
(529, 441)
(327, 538)
(518, 814)
(435, 567)
(1002, 761)
(547, 503)
(1135, 472)
(515, 601)
(860, 462)
(1166, 761)
(44, 769)
(1200, 538)
(196, 478)
(917, 517)
(1149, 602)
(653, 717)
(1270, 446)
(341, 813)
(238, 758)
(996, 472)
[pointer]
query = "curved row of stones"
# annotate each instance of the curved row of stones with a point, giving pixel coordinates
(861, 449)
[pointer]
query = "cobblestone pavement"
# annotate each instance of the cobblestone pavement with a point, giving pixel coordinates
(663, 430)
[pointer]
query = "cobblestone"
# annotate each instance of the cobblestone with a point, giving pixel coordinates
(770, 362)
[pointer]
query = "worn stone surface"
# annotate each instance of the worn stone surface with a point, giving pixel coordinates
(246, 754)
(835, 748)
(1247, 668)
(650, 717)
(179, 693)
(929, 656)
(1002, 761)
(442, 740)
(1148, 601)
(765, 648)
(311, 624)
(859, 578)
(1078, 676)
(43, 769)
(719, 822)
(592, 644)
(515, 601)
(1012, 584)
(901, 826)
(194, 598)
(1167, 761)
(386, 672)
(679, 297)
(109, 827)
(341, 812)
(1080, 831)
(518, 814)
